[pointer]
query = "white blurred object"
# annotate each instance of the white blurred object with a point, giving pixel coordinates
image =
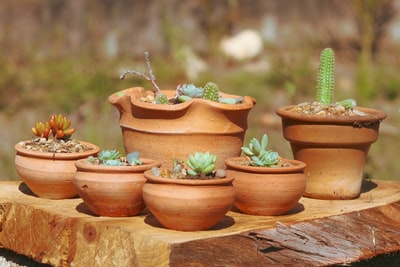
(194, 65)
(246, 44)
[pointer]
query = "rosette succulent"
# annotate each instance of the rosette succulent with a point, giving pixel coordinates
(259, 155)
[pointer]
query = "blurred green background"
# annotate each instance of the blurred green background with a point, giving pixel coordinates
(66, 57)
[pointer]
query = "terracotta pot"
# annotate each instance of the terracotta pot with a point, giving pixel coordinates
(264, 190)
(195, 125)
(188, 205)
(334, 149)
(49, 175)
(113, 191)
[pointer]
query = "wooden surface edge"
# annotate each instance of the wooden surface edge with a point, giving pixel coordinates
(62, 233)
(339, 239)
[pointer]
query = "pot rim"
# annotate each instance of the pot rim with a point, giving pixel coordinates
(84, 166)
(374, 115)
(53, 155)
(196, 182)
(248, 101)
(297, 166)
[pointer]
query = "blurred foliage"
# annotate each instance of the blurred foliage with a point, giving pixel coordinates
(60, 57)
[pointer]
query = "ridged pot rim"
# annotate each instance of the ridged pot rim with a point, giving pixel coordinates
(137, 92)
(84, 166)
(374, 115)
(195, 182)
(297, 166)
(53, 155)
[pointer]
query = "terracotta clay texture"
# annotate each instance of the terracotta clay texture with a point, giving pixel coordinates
(195, 125)
(334, 149)
(113, 191)
(188, 205)
(266, 191)
(49, 175)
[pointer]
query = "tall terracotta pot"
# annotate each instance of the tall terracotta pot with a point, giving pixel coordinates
(49, 175)
(180, 129)
(188, 205)
(334, 148)
(114, 191)
(265, 190)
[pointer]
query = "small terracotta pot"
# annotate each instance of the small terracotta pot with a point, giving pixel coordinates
(180, 129)
(265, 190)
(334, 148)
(49, 175)
(114, 191)
(188, 205)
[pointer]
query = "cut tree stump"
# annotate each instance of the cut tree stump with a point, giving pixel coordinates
(315, 232)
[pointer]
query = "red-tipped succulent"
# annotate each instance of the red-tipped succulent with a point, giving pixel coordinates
(58, 126)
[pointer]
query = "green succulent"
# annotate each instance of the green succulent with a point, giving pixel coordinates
(112, 157)
(211, 92)
(133, 158)
(326, 81)
(189, 90)
(258, 153)
(109, 154)
(201, 164)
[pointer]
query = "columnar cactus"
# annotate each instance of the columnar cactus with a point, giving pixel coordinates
(326, 79)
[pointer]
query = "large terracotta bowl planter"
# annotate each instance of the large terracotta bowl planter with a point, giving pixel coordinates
(113, 191)
(266, 191)
(180, 129)
(334, 148)
(49, 175)
(188, 205)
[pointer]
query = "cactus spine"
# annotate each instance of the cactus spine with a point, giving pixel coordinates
(325, 82)
(211, 92)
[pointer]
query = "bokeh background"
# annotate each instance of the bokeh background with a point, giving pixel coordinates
(60, 56)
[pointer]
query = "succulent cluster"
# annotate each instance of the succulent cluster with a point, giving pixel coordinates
(112, 157)
(198, 166)
(259, 155)
(326, 81)
(183, 92)
(201, 164)
(58, 126)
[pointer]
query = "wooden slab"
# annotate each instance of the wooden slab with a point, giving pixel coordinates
(316, 232)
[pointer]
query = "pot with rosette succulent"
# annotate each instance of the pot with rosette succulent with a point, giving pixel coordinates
(332, 138)
(184, 120)
(111, 185)
(46, 163)
(265, 184)
(189, 197)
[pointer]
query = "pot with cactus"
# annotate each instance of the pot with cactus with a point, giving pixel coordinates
(191, 195)
(265, 184)
(46, 163)
(110, 184)
(332, 138)
(187, 119)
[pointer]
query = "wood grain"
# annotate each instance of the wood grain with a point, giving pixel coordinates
(315, 232)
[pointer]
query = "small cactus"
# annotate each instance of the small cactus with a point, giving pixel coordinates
(201, 164)
(347, 104)
(211, 92)
(326, 79)
(259, 155)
